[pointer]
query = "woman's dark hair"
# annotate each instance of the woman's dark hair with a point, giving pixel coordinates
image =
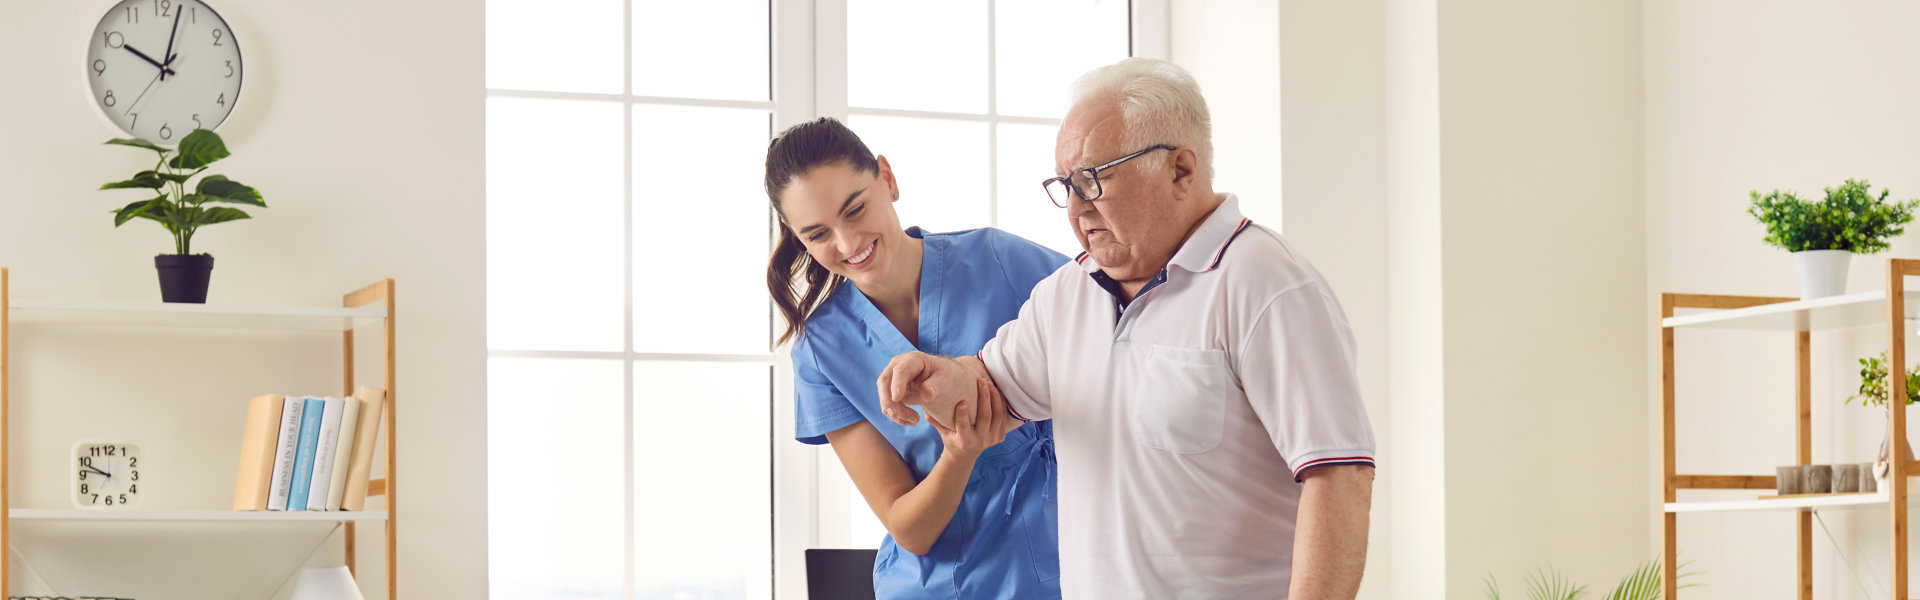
(793, 153)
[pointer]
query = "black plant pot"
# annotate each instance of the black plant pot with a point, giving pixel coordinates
(183, 277)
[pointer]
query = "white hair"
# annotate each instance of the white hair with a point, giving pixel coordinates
(1160, 103)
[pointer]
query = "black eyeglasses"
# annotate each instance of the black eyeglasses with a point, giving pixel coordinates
(1086, 182)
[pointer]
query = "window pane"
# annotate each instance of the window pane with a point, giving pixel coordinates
(555, 479)
(559, 46)
(1045, 44)
(941, 166)
(554, 239)
(865, 530)
(917, 55)
(701, 228)
(706, 49)
(1026, 159)
(702, 526)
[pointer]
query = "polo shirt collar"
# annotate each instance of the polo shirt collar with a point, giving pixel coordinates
(1203, 249)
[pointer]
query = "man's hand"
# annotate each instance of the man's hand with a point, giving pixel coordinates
(932, 382)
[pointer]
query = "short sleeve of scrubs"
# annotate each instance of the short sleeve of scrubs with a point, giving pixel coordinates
(1023, 262)
(818, 408)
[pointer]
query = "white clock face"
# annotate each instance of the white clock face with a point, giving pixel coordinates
(159, 69)
(106, 475)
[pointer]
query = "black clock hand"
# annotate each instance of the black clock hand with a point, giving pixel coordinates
(170, 35)
(143, 56)
(90, 468)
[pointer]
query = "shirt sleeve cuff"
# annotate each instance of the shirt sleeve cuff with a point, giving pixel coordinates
(1326, 458)
(982, 356)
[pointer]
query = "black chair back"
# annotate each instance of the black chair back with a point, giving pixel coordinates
(840, 574)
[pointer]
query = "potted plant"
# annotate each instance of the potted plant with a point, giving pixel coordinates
(1873, 391)
(1548, 583)
(183, 274)
(1824, 235)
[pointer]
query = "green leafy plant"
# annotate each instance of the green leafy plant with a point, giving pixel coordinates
(181, 212)
(1873, 382)
(1850, 218)
(1545, 583)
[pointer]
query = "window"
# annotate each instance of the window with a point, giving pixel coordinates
(633, 419)
(629, 377)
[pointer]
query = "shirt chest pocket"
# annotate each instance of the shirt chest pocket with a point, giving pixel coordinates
(1179, 399)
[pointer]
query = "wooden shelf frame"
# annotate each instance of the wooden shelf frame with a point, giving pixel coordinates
(379, 293)
(1895, 497)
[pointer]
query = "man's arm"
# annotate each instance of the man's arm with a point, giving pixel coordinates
(935, 383)
(1330, 532)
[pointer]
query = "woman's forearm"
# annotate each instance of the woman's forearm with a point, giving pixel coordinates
(917, 517)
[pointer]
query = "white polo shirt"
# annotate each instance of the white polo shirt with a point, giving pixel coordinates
(1182, 424)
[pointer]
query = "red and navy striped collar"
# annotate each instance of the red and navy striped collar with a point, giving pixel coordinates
(1206, 246)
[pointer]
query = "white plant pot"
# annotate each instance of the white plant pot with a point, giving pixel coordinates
(1822, 272)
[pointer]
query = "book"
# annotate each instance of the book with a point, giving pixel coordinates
(372, 405)
(285, 448)
(316, 409)
(257, 442)
(323, 451)
(343, 452)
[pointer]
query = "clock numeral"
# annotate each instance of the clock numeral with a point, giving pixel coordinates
(194, 14)
(133, 14)
(165, 133)
(196, 121)
(109, 499)
(216, 37)
(133, 489)
(133, 463)
(83, 475)
(112, 451)
(222, 100)
(130, 125)
(113, 39)
(96, 498)
(99, 67)
(109, 101)
(163, 7)
(123, 499)
(229, 69)
(86, 462)
(136, 476)
(83, 488)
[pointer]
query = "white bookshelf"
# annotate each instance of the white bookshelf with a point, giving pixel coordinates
(198, 316)
(368, 310)
(1819, 314)
(1851, 501)
(297, 516)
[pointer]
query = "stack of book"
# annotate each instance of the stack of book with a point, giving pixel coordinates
(308, 452)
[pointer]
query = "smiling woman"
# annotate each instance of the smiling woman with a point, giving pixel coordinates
(950, 499)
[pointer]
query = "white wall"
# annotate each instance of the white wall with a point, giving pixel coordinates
(1416, 468)
(1762, 95)
(1515, 296)
(362, 124)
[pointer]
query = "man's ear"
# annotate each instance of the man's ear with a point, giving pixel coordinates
(886, 174)
(1186, 169)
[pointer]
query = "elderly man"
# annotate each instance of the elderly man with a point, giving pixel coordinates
(1200, 374)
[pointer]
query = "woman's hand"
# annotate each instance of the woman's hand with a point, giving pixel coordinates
(979, 423)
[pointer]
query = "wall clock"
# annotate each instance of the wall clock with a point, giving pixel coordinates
(159, 69)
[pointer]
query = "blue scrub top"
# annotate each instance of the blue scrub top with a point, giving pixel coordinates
(1003, 540)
